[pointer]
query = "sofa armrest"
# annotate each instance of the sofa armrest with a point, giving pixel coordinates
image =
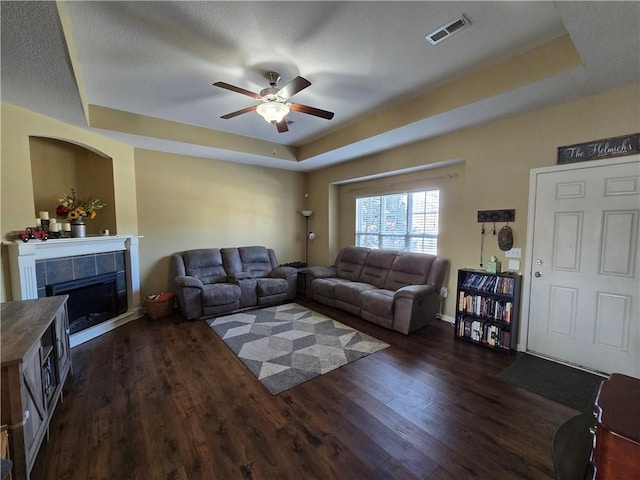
(290, 274)
(320, 272)
(315, 273)
(185, 281)
(188, 290)
(414, 292)
(415, 306)
(283, 272)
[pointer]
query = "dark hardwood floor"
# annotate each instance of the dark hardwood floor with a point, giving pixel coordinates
(167, 399)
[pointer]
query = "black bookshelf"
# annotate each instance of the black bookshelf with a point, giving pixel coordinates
(488, 309)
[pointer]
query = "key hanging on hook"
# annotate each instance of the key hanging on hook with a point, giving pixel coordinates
(481, 243)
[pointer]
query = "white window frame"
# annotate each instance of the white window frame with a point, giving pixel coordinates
(414, 231)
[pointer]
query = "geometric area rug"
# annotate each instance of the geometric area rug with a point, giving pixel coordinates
(286, 345)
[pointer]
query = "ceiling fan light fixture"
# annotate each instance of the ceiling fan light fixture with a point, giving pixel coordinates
(272, 112)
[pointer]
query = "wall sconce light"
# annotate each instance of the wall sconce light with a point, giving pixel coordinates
(307, 234)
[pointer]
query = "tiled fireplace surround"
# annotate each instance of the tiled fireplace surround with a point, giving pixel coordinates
(57, 270)
(36, 264)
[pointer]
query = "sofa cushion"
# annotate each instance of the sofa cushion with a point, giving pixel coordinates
(377, 266)
(350, 261)
(409, 269)
(220, 294)
(349, 292)
(267, 287)
(205, 264)
(379, 301)
(254, 261)
(324, 286)
(378, 306)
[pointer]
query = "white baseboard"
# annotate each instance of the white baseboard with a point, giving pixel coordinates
(446, 318)
(104, 327)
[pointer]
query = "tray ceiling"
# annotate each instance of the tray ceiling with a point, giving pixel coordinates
(142, 72)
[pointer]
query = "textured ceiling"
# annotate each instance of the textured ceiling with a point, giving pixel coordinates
(142, 72)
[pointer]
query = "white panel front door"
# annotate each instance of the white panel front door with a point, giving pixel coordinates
(584, 288)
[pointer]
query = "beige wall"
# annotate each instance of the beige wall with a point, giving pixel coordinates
(175, 202)
(17, 196)
(178, 202)
(495, 175)
(187, 202)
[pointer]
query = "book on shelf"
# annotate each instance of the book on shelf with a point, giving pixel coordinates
(476, 330)
(492, 334)
(485, 332)
(489, 283)
(505, 340)
(485, 306)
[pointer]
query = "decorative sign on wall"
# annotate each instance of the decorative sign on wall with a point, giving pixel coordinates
(597, 149)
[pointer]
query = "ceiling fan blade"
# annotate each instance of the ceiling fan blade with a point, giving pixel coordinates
(293, 87)
(239, 112)
(233, 88)
(282, 126)
(312, 111)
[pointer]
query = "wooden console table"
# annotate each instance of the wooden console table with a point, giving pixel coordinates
(36, 359)
(603, 444)
(616, 451)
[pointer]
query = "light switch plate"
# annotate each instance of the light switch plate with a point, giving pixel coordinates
(514, 264)
(513, 253)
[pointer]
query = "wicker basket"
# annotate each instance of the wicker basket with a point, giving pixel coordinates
(159, 306)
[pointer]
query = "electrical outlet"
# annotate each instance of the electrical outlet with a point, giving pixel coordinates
(444, 292)
(513, 253)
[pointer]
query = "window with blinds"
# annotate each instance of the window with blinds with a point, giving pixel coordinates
(402, 221)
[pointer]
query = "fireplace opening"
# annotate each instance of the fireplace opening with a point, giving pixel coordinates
(92, 300)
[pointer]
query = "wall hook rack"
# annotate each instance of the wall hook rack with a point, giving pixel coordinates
(488, 216)
(496, 216)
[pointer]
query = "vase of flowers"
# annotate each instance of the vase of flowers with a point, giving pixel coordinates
(77, 210)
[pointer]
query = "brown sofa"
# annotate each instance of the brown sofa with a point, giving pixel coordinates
(214, 281)
(397, 290)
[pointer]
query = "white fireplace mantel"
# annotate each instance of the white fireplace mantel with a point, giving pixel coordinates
(24, 284)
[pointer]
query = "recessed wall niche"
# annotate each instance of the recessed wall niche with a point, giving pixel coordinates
(58, 166)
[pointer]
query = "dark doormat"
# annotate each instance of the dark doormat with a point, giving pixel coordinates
(570, 386)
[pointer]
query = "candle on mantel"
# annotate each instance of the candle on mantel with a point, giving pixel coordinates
(53, 227)
(66, 226)
(44, 215)
(38, 222)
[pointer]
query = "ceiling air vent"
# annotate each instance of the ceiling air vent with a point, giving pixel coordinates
(454, 26)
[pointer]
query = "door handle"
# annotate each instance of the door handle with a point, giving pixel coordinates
(537, 274)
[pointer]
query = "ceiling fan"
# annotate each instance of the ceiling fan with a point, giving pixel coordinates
(274, 104)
